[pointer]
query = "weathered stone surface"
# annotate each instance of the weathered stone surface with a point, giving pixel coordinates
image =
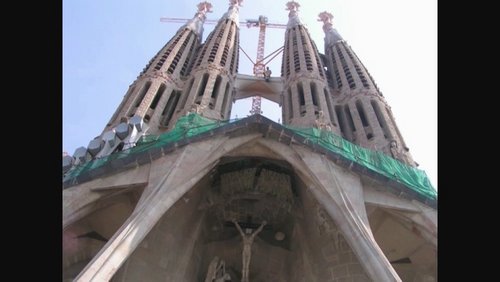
(164, 214)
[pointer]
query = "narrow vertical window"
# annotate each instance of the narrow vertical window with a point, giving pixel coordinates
(349, 119)
(169, 102)
(381, 120)
(186, 94)
(301, 94)
(329, 105)
(169, 109)
(362, 114)
(202, 86)
(314, 94)
(157, 97)
(216, 86)
(143, 92)
(215, 91)
(344, 128)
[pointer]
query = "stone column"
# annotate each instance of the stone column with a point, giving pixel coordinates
(343, 199)
(341, 194)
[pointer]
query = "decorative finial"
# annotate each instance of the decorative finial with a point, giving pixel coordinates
(196, 23)
(293, 16)
(235, 2)
(331, 34)
(325, 17)
(292, 6)
(233, 12)
(204, 7)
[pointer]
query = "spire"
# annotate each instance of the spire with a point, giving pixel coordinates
(293, 17)
(364, 116)
(209, 90)
(307, 100)
(331, 34)
(233, 12)
(196, 24)
(155, 93)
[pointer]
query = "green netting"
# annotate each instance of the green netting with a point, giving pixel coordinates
(412, 177)
(193, 124)
(185, 127)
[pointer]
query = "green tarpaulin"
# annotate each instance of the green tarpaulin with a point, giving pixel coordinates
(194, 124)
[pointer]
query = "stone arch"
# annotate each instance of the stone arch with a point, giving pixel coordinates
(335, 188)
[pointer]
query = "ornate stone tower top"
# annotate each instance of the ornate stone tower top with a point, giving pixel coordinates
(364, 116)
(209, 89)
(331, 34)
(307, 101)
(203, 8)
(233, 12)
(153, 96)
(293, 16)
(196, 23)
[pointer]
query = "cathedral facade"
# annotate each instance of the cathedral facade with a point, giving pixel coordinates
(172, 190)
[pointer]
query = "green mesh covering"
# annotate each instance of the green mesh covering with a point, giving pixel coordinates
(193, 124)
(412, 177)
(186, 126)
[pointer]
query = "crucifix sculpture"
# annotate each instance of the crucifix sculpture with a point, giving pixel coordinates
(248, 238)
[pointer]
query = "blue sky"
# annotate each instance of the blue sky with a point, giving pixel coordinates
(106, 44)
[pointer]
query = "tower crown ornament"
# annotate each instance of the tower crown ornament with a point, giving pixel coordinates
(293, 16)
(204, 8)
(292, 6)
(235, 3)
(326, 18)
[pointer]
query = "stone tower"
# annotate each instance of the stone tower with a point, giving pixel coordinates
(209, 91)
(307, 100)
(156, 92)
(364, 116)
(174, 191)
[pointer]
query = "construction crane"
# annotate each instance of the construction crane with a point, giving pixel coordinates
(181, 20)
(259, 65)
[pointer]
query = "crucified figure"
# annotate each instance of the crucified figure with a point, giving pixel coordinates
(247, 247)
